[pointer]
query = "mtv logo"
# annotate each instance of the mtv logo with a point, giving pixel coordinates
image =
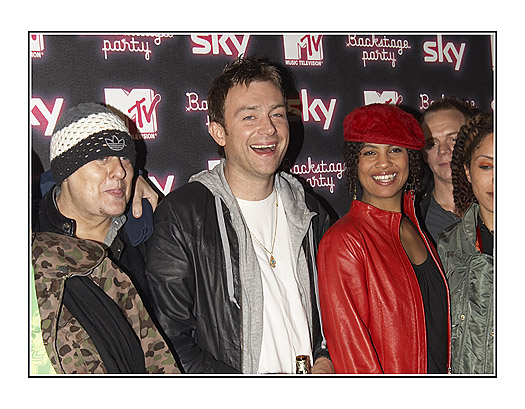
(139, 104)
(306, 47)
(385, 97)
(36, 42)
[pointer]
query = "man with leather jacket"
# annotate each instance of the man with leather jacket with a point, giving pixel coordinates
(231, 262)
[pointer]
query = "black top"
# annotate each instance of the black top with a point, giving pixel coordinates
(487, 238)
(434, 295)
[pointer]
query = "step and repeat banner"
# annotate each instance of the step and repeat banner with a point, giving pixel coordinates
(159, 82)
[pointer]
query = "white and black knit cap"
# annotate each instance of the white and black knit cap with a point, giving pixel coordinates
(84, 133)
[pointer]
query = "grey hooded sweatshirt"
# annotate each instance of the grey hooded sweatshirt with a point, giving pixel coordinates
(298, 217)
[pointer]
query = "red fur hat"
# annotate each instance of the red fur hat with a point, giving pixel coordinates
(384, 124)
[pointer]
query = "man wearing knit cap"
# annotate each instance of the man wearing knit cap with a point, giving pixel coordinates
(92, 161)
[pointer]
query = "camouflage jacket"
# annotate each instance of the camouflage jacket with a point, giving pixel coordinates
(57, 257)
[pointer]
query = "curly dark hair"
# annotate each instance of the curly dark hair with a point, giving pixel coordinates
(351, 151)
(244, 71)
(469, 138)
(448, 103)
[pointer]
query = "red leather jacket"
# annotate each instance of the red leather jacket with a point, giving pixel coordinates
(371, 306)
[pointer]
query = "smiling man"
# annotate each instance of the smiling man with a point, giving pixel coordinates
(231, 264)
(441, 123)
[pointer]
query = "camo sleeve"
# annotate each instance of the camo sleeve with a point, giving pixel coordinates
(158, 358)
(70, 349)
(54, 259)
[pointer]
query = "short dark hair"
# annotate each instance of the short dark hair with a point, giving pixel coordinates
(241, 71)
(469, 138)
(450, 103)
(351, 152)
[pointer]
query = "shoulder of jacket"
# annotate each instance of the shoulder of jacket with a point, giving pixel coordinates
(189, 196)
(347, 227)
(190, 191)
(186, 207)
(453, 243)
(56, 255)
(451, 233)
(312, 202)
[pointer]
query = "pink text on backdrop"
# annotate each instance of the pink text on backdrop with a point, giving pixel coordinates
(321, 173)
(436, 51)
(310, 109)
(219, 44)
(166, 187)
(41, 115)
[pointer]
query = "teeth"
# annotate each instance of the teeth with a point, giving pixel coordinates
(271, 147)
(385, 178)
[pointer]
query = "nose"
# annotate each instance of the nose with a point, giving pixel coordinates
(445, 148)
(266, 126)
(383, 161)
(116, 168)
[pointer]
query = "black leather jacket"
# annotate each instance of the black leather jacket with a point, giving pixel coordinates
(186, 274)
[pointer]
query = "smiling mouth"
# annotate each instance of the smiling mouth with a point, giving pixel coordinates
(264, 148)
(385, 178)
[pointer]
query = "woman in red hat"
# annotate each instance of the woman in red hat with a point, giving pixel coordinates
(384, 297)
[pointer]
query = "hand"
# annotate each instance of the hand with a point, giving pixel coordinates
(323, 365)
(143, 190)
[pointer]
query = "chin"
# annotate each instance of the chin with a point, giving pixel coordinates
(113, 211)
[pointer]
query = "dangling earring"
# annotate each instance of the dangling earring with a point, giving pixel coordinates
(354, 197)
(409, 186)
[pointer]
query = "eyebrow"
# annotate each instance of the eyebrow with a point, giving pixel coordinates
(256, 107)
(248, 108)
(431, 138)
(369, 145)
(485, 156)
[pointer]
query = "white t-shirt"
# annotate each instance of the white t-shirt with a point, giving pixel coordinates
(285, 324)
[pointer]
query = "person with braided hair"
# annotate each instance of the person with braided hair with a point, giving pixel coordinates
(383, 294)
(466, 249)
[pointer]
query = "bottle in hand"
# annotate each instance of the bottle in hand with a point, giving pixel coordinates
(302, 364)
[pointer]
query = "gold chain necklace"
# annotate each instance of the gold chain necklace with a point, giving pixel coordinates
(273, 263)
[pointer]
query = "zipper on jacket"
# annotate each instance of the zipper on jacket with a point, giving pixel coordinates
(239, 304)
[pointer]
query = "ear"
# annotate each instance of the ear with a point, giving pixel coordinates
(467, 172)
(217, 132)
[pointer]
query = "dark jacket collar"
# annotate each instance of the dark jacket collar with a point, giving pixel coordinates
(51, 220)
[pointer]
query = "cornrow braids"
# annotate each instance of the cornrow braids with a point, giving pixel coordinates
(469, 138)
(351, 152)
